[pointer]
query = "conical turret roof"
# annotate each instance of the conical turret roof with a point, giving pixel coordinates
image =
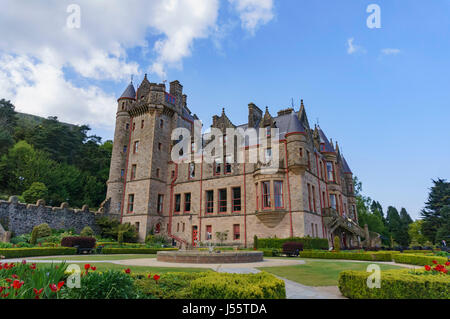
(129, 92)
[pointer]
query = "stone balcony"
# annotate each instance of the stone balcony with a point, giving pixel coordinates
(333, 220)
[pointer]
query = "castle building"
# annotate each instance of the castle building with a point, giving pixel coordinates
(310, 194)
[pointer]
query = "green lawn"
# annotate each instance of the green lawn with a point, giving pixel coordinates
(145, 269)
(100, 257)
(320, 272)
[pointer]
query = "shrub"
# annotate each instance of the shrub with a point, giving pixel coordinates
(42, 230)
(337, 244)
(308, 242)
(395, 284)
(292, 247)
(82, 242)
(110, 227)
(255, 242)
(156, 239)
(270, 252)
(87, 232)
(36, 251)
(212, 285)
(370, 256)
(111, 284)
(419, 259)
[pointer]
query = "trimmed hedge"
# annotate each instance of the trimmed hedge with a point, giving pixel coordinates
(418, 260)
(308, 243)
(417, 251)
(268, 252)
(212, 285)
(370, 256)
(38, 251)
(113, 251)
(395, 284)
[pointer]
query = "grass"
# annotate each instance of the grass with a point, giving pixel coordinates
(100, 257)
(320, 273)
(145, 269)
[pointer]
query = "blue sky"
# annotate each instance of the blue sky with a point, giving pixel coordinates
(389, 110)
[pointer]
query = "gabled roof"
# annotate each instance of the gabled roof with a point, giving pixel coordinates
(324, 140)
(129, 93)
(346, 168)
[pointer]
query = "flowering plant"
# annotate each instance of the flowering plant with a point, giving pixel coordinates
(436, 269)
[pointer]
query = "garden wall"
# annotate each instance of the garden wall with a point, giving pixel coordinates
(20, 218)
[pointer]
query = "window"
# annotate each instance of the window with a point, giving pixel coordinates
(136, 147)
(187, 202)
(268, 131)
(222, 200)
(191, 170)
(217, 166)
(178, 227)
(278, 194)
(133, 172)
(236, 232)
(314, 198)
(184, 226)
(309, 197)
(312, 229)
(225, 139)
(323, 200)
(127, 126)
(130, 203)
(228, 165)
(208, 232)
(142, 124)
(265, 186)
(308, 155)
(157, 172)
(209, 202)
(330, 171)
(124, 148)
(333, 201)
(301, 152)
(177, 203)
(268, 155)
(236, 199)
(134, 126)
(317, 232)
(160, 203)
(122, 173)
(173, 174)
(161, 123)
(159, 146)
(321, 171)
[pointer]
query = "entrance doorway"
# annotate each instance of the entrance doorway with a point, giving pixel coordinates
(194, 236)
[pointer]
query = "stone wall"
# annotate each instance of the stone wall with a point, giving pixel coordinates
(19, 218)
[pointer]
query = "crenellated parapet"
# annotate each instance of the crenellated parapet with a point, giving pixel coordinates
(20, 218)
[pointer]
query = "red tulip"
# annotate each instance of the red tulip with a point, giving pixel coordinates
(128, 271)
(24, 262)
(156, 277)
(435, 262)
(93, 268)
(427, 268)
(14, 276)
(60, 284)
(87, 266)
(33, 266)
(17, 284)
(53, 287)
(8, 280)
(38, 292)
(447, 263)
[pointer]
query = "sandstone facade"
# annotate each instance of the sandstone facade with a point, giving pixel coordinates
(149, 190)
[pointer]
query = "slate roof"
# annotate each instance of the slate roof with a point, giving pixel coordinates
(129, 93)
(324, 140)
(346, 168)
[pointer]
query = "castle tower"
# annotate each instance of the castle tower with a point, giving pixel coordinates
(120, 149)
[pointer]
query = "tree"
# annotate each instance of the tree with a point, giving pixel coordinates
(402, 233)
(443, 232)
(433, 220)
(415, 233)
(36, 191)
(7, 116)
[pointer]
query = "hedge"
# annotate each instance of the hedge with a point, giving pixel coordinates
(417, 251)
(419, 260)
(134, 250)
(370, 256)
(270, 252)
(308, 243)
(38, 251)
(82, 242)
(395, 284)
(212, 285)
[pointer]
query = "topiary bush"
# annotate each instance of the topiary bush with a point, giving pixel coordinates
(395, 284)
(255, 242)
(87, 232)
(42, 230)
(337, 244)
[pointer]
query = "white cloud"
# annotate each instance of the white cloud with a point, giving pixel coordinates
(253, 13)
(353, 48)
(389, 51)
(40, 88)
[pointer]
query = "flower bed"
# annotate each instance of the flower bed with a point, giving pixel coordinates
(211, 285)
(419, 260)
(431, 283)
(369, 256)
(37, 251)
